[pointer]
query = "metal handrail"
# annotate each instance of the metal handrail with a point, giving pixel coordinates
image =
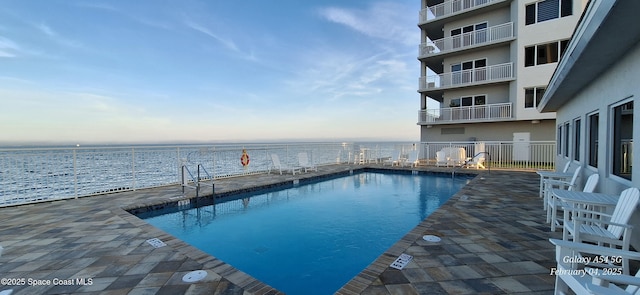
(184, 182)
(209, 177)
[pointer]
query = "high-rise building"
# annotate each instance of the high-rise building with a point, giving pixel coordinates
(485, 65)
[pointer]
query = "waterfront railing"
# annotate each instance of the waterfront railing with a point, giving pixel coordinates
(29, 175)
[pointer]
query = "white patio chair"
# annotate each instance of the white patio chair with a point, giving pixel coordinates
(553, 204)
(394, 160)
(442, 159)
(545, 174)
(412, 159)
(601, 228)
(476, 162)
(458, 156)
(585, 280)
(303, 161)
(550, 202)
(275, 162)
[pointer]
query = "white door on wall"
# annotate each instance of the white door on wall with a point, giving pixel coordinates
(521, 146)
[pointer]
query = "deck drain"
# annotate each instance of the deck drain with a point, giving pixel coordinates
(402, 261)
(156, 243)
(431, 238)
(194, 276)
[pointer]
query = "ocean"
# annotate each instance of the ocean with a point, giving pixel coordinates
(46, 173)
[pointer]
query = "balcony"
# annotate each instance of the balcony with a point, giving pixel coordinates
(488, 36)
(468, 114)
(485, 75)
(451, 7)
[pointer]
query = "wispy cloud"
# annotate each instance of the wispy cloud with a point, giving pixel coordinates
(56, 37)
(338, 75)
(132, 15)
(8, 48)
(383, 20)
(46, 30)
(229, 44)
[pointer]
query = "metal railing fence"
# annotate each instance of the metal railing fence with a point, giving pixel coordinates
(489, 74)
(489, 35)
(448, 8)
(486, 112)
(532, 155)
(29, 175)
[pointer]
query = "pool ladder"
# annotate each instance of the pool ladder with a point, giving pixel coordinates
(453, 171)
(198, 180)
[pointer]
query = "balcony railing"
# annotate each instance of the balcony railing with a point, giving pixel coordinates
(490, 112)
(490, 74)
(448, 8)
(486, 36)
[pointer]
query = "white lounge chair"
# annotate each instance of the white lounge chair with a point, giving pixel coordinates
(394, 160)
(303, 160)
(276, 165)
(412, 159)
(457, 156)
(601, 228)
(441, 159)
(476, 162)
(586, 280)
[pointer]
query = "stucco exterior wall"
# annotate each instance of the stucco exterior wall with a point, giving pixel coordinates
(498, 131)
(495, 93)
(618, 83)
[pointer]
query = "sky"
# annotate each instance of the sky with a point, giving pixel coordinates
(155, 71)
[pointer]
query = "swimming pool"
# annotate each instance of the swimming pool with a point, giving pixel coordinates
(312, 238)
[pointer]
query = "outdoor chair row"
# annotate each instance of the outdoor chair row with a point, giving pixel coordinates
(398, 159)
(446, 157)
(303, 164)
(594, 255)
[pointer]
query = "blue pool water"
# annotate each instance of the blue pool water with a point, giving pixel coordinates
(312, 238)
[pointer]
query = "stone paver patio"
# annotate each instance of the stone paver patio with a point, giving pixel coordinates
(494, 241)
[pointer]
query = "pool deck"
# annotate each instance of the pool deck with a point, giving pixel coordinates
(494, 241)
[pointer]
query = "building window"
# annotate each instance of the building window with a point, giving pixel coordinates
(576, 139)
(622, 139)
(530, 14)
(544, 53)
(467, 101)
(563, 47)
(547, 10)
(469, 35)
(559, 140)
(532, 96)
(593, 139)
(469, 71)
(565, 147)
